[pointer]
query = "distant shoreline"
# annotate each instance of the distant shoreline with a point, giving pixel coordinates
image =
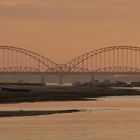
(63, 94)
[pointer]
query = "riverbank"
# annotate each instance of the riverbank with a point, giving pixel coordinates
(63, 94)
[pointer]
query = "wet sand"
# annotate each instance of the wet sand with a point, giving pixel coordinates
(110, 118)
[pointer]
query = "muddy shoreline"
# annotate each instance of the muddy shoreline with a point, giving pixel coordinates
(34, 112)
(64, 94)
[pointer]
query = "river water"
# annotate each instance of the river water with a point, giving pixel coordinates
(110, 118)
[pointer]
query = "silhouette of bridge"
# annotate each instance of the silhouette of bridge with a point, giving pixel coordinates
(123, 60)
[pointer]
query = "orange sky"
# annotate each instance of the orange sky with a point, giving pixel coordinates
(64, 29)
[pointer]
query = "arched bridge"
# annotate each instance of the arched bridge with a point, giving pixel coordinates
(115, 59)
(13, 59)
(110, 59)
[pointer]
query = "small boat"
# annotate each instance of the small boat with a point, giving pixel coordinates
(15, 89)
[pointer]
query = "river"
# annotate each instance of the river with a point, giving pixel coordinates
(110, 118)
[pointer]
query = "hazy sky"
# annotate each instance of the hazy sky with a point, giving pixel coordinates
(64, 29)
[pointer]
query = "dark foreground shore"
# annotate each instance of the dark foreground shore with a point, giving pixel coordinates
(63, 94)
(34, 113)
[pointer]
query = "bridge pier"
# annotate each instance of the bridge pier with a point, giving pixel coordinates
(43, 78)
(61, 75)
(69, 77)
(93, 77)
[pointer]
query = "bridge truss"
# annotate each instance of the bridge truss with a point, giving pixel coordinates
(13, 59)
(109, 59)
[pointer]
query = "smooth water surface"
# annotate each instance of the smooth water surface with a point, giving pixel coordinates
(110, 118)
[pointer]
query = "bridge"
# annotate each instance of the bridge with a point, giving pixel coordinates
(114, 63)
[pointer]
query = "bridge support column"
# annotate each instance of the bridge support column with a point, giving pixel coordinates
(42, 79)
(93, 77)
(61, 78)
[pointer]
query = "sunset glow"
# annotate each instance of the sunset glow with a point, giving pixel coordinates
(56, 27)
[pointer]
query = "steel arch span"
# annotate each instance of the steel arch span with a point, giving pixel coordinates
(14, 59)
(109, 59)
